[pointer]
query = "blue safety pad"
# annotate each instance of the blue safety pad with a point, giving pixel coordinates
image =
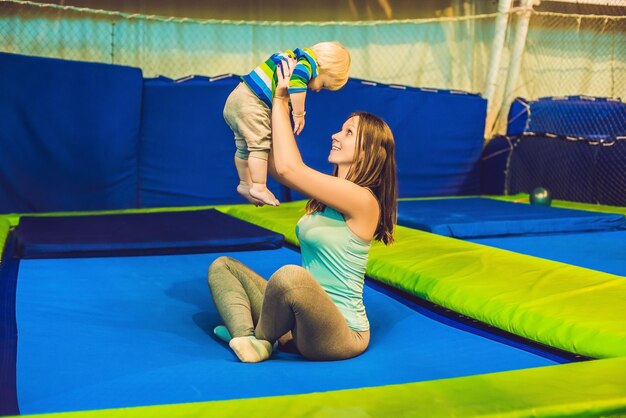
(439, 133)
(493, 165)
(576, 170)
(145, 233)
(8, 329)
(601, 251)
(477, 217)
(564, 167)
(187, 149)
(574, 146)
(518, 116)
(122, 332)
(593, 118)
(610, 174)
(69, 134)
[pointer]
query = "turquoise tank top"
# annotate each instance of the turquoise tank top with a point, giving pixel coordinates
(336, 258)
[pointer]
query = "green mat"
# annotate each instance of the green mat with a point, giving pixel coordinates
(567, 307)
(523, 198)
(588, 389)
(4, 232)
(550, 301)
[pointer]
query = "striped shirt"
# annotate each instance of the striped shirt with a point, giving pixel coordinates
(262, 80)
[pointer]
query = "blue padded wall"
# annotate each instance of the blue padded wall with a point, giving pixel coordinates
(69, 134)
(610, 174)
(187, 149)
(439, 134)
(564, 167)
(518, 116)
(576, 170)
(592, 118)
(86, 136)
(575, 146)
(493, 164)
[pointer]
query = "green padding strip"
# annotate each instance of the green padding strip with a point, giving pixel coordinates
(567, 307)
(4, 232)
(280, 219)
(596, 388)
(575, 309)
(13, 218)
(522, 197)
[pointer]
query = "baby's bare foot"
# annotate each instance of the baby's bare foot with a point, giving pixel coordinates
(244, 190)
(261, 192)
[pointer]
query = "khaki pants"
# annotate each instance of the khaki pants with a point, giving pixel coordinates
(250, 120)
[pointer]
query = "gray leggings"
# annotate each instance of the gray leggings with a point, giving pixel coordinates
(291, 306)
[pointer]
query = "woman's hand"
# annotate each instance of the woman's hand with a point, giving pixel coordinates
(283, 74)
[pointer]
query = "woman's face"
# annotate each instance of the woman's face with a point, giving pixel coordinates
(343, 145)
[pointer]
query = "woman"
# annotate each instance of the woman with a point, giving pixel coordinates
(318, 307)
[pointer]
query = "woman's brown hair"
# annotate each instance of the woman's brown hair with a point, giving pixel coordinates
(374, 168)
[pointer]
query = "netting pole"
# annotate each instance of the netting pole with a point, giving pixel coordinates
(495, 57)
(113, 42)
(521, 32)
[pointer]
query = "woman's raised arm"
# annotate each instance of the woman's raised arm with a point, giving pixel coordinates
(344, 196)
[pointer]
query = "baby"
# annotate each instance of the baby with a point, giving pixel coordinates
(325, 65)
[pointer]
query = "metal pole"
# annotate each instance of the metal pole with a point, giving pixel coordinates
(496, 47)
(521, 32)
(495, 56)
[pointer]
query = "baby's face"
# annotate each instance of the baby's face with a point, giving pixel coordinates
(319, 82)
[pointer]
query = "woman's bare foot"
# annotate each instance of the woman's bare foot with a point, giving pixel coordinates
(244, 190)
(260, 192)
(251, 350)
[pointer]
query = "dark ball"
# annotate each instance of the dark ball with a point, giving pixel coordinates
(540, 196)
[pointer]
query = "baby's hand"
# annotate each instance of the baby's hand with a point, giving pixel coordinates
(298, 124)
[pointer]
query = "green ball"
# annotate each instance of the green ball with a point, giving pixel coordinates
(540, 196)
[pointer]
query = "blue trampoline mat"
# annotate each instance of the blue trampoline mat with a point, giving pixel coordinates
(127, 331)
(478, 217)
(602, 251)
(196, 231)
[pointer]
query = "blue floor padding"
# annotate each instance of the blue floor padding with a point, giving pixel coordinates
(478, 217)
(117, 332)
(141, 233)
(601, 251)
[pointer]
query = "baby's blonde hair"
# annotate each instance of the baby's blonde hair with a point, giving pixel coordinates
(333, 59)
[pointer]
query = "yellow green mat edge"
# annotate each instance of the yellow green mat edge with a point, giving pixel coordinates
(564, 306)
(587, 389)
